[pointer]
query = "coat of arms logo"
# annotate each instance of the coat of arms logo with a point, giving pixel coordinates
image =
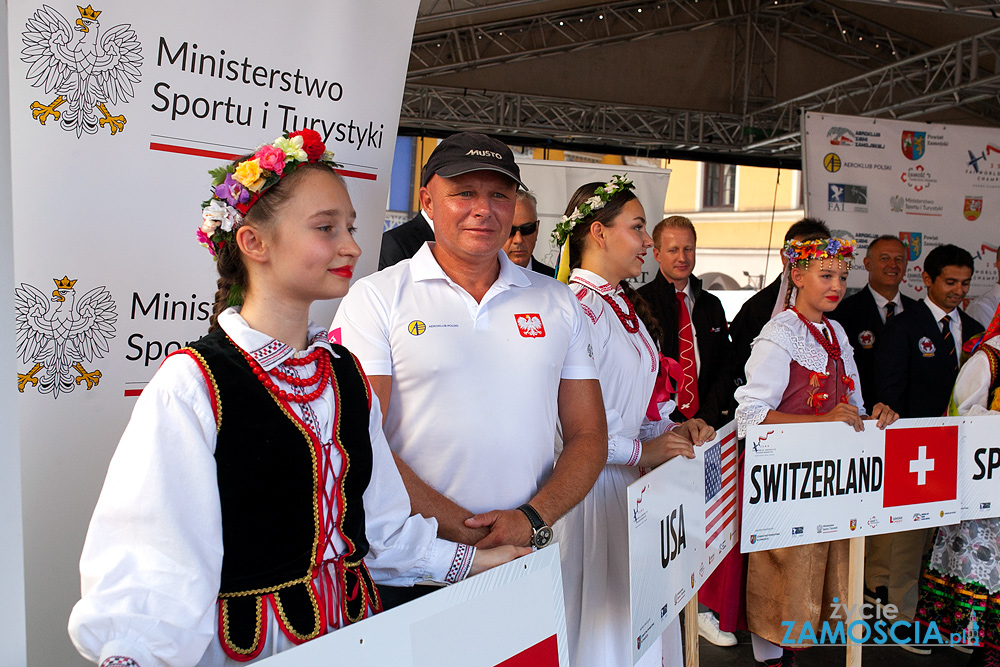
(85, 69)
(59, 333)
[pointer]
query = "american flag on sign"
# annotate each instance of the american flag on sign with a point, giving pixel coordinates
(720, 487)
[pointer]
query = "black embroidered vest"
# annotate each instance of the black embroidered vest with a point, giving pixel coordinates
(270, 490)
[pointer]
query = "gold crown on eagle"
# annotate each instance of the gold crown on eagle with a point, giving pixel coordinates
(88, 12)
(64, 282)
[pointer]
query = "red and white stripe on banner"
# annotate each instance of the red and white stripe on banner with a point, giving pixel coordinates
(720, 487)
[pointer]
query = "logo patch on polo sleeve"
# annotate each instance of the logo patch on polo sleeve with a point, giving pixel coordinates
(530, 325)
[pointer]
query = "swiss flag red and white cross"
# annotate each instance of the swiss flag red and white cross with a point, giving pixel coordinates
(921, 465)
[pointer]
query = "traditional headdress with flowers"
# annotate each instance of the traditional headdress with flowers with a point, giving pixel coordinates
(564, 228)
(799, 253)
(236, 188)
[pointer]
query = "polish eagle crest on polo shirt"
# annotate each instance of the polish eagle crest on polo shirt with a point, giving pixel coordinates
(530, 325)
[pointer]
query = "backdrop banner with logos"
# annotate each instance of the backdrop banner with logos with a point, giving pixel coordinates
(117, 114)
(928, 184)
(917, 473)
(682, 522)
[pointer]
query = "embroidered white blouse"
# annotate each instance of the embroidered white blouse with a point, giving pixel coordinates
(784, 339)
(627, 364)
(972, 386)
(152, 560)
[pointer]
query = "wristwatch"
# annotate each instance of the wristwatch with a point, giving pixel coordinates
(541, 534)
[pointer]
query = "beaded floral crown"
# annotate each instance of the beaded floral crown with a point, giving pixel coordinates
(799, 253)
(237, 187)
(602, 195)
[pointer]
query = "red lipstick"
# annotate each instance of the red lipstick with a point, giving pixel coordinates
(343, 271)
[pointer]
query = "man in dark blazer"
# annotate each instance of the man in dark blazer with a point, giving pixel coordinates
(916, 366)
(674, 241)
(863, 315)
(915, 370)
(758, 309)
(524, 234)
(403, 242)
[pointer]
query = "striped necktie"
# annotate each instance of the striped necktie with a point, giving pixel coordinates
(890, 309)
(949, 341)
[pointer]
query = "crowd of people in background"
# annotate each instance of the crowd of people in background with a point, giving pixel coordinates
(468, 406)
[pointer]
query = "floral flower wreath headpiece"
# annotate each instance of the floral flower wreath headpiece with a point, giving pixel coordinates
(236, 188)
(564, 228)
(799, 253)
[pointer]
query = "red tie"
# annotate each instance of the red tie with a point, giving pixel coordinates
(687, 395)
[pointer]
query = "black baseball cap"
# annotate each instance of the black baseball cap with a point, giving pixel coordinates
(469, 151)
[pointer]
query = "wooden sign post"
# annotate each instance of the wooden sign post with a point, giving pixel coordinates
(855, 595)
(691, 657)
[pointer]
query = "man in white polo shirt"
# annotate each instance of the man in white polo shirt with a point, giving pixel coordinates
(474, 360)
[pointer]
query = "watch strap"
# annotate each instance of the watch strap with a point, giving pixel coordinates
(533, 516)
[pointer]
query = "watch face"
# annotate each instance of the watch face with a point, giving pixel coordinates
(542, 537)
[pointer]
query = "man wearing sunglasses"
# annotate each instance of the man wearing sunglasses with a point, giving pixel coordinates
(524, 234)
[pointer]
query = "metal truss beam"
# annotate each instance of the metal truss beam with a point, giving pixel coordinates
(961, 8)
(484, 44)
(965, 74)
(538, 119)
(457, 9)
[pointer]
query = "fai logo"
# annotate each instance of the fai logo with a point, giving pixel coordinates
(973, 208)
(530, 325)
(59, 333)
(913, 241)
(913, 144)
(847, 197)
(86, 69)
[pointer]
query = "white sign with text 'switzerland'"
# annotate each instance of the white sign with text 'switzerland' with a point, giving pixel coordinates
(682, 522)
(808, 483)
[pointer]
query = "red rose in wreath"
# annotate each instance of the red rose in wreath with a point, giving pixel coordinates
(312, 144)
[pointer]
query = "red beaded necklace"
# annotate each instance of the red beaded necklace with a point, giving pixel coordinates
(831, 345)
(321, 376)
(630, 321)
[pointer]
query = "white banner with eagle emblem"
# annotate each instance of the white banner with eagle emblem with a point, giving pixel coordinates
(929, 184)
(118, 110)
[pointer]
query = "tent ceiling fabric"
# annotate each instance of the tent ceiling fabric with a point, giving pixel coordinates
(722, 80)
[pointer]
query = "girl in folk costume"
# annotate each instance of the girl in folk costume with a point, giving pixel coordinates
(960, 587)
(603, 236)
(801, 369)
(253, 498)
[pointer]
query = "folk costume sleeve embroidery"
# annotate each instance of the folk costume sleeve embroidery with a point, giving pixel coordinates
(627, 365)
(786, 359)
(152, 565)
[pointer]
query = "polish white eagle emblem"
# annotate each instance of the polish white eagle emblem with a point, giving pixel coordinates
(84, 69)
(530, 325)
(58, 333)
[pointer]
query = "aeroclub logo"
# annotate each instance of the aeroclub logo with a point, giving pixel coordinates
(59, 333)
(913, 144)
(913, 241)
(857, 138)
(530, 325)
(840, 136)
(972, 208)
(416, 327)
(87, 69)
(832, 162)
